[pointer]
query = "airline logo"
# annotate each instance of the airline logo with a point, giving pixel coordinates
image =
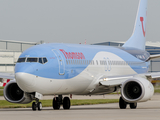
(72, 55)
(142, 19)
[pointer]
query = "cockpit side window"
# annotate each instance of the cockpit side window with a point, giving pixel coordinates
(32, 60)
(45, 60)
(21, 60)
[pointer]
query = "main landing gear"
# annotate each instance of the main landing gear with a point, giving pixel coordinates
(58, 101)
(123, 104)
(36, 105)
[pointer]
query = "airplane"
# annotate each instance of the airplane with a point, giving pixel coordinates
(75, 69)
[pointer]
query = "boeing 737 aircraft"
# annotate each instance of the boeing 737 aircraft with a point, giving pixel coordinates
(66, 69)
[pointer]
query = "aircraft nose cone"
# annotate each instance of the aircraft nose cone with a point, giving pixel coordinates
(25, 81)
(24, 75)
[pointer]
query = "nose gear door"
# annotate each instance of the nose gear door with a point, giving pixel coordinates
(60, 62)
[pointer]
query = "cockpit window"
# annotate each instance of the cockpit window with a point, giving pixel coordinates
(44, 60)
(40, 60)
(21, 60)
(32, 59)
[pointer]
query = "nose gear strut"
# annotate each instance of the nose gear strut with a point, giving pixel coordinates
(36, 105)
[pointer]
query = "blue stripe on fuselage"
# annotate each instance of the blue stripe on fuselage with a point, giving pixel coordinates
(51, 68)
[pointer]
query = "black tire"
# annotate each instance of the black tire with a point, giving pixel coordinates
(133, 105)
(39, 105)
(34, 106)
(66, 103)
(56, 103)
(122, 103)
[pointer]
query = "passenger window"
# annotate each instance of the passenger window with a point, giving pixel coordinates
(45, 60)
(40, 60)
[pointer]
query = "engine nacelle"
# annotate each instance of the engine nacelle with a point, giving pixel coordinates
(13, 94)
(137, 90)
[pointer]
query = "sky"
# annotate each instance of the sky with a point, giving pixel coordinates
(74, 21)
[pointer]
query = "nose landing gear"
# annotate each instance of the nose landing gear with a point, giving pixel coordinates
(36, 105)
(57, 101)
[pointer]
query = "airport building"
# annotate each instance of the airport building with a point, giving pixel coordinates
(11, 50)
(9, 53)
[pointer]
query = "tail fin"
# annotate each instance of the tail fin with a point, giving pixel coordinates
(138, 38)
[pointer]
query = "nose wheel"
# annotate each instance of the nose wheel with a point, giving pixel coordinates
(36, 105)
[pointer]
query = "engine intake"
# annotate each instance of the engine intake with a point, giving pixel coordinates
(132, 90)
(13, 94)
(137, 90)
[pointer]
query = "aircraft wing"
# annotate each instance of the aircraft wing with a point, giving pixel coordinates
(153, 74)
(7, 75)
(153, 57)
(118, 80)
(114, 81)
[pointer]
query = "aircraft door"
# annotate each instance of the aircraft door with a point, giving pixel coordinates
(60, 62)
(107, 64)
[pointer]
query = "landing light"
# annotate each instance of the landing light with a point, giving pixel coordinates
(105, 79)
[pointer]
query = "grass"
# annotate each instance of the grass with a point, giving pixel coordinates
(1, 87)
(48, 103)
(1, 92)
(115, 93)
(156, 90)
(157, 87)
(93, 101)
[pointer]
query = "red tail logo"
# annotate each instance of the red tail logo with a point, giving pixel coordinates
(141, 19)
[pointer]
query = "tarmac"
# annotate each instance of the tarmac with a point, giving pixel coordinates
(145, 111)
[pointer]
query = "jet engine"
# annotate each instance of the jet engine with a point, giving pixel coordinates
(137, 90)
(13, 94)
